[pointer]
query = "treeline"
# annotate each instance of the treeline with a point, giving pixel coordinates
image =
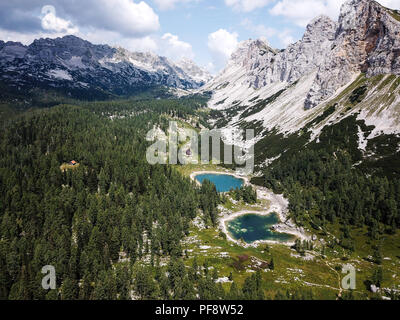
(199, 282)
(245, 193)
(325, 188)
(175, 107)
(83, 220)
(209, 200)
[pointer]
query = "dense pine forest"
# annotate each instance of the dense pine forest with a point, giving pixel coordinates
(96, 222)
(329, 182)
(113, 225)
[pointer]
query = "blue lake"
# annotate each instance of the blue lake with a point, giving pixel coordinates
(223, 182)
(253, 227)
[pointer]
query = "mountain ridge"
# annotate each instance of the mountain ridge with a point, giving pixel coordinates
(348, 68)
(73, 63)
(321, 49)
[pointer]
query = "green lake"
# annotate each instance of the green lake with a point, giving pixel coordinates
(254, 227)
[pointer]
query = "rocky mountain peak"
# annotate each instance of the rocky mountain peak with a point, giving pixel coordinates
(193, 70)
(320, 28)
(250, 55)
(265, 65)
(11, 50)
(69, 40)
(250, 50)
(365, 42)
(74, 64)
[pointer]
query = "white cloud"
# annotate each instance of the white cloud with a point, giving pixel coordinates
(210, 67)
(129, 18)
(285, 37)
(259, 30)
(170, 4)
(247, 5)
(98, 36)
(221, 44)
(144, 44)
(301, 12)
(126, 17)
(176, 49)
(26, 38)
(52, 23)
(392, 4)
(123, 16)
(267, 33)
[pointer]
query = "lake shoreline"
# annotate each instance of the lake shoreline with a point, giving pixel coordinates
(193, 175)
(228, 218)
(278, 205)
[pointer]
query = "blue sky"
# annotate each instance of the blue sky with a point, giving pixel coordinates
(193, 22)
(206, 31)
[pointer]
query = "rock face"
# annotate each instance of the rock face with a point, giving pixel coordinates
(194, 71)
(73, 63)
(365, 39)
(297, 60)
(338, 70)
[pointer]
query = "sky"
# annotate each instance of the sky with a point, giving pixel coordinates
(206, 31)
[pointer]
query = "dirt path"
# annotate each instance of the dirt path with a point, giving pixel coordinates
(339, 280)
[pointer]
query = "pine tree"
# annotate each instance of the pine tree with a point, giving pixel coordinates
(272, 264)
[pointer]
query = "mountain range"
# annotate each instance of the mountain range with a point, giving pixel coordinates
(78, 66)
(338, 70)
(317, 218)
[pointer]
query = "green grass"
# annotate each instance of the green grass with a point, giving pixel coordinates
(242, 206)
(261, 105)
(282, 278)
(188, 169)
(319, 275)
(395, 84)
(395, 14)
(327, 112)
(389, 79)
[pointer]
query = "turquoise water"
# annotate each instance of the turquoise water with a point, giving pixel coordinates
(223, 182)
(253, 227)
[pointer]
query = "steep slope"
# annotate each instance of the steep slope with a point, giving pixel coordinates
(255, 65)
(336, 71)
(367, 40)
(74, 64)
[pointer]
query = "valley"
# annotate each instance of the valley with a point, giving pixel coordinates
(90, 186)
(310, 269)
